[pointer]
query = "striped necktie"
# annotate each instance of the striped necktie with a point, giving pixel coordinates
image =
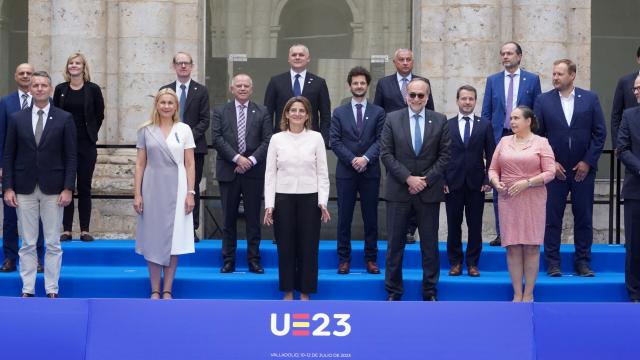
(242, 127)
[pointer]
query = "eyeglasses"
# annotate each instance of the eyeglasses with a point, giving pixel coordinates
(637, 88)
(413, 95)
(183, 63)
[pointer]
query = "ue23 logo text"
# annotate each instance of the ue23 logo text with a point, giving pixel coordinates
(303, 324)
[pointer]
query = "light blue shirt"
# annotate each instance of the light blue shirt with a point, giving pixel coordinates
(412, 125)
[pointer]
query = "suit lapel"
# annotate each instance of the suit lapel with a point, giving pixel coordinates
(454, 129)
(475, 129)
(48, 124)
(308, 82)
(233, 119)
(251, 118)
(406, 129)
(578, 104)
(191, 94)
(521, 85)
(557, 104)
(500, 90)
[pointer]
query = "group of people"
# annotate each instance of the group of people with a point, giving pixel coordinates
(531, 148)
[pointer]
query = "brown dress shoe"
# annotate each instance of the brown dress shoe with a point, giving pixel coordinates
(343, 268)
(473, 271)
(456, 270)
(8, 266)
(372, 267)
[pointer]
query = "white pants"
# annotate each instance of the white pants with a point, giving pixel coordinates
(32, 208)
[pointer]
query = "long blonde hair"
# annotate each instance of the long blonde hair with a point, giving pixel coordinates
(154, 118)
(85, 67)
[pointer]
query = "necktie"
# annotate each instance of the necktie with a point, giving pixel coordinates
(25, 104)
(183, 101)
(296, 86)
(509, 103)
(359, 122)
(403, 89)
(467, 130)
(417, 141)
(39, 127)
(242, 127)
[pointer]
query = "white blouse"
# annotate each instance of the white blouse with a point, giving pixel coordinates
(296, 164)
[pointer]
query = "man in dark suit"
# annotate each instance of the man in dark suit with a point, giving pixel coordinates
(391, 95)
(629, 152)
(504, 92)
(466, 180)
(14, 102)
(39, 179)
(623, 99)
(355, 138)
(241, 131)
(415, 148)
(194, 111)
(295, 82)
(572, 119)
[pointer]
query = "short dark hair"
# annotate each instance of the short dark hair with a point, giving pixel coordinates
(527, 113)
(518, 47)
(570, 64)
(42, 74)
(357, 71)
(468, 88)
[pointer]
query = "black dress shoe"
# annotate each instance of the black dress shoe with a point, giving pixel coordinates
(26, 295)
(554, 271)
(40, 268)
(8, 266)
(344, 268)
(496, 242)
(394, 297)
(255, 267)
(195, 237)
(411, 239)
(65, 237)
(584, 270)
(228, 267)
(429, 298)
(52, 296)
(86, 238)
(635, 300)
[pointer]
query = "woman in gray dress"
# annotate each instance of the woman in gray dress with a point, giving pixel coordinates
(164, 192)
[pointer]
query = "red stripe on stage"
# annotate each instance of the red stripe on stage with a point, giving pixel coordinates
(300, 332)
(301, 316)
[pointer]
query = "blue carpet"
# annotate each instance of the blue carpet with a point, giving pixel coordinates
(110, 268)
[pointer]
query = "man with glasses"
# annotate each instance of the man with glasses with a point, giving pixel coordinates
(415, 148)
(505, 91)
(623, 99)
(14, 102)
(194, 111)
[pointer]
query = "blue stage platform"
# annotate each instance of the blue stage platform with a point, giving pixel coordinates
(111, 269)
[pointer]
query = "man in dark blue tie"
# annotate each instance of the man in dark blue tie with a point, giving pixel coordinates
(194, 111)
(466, 181)
(355, 138)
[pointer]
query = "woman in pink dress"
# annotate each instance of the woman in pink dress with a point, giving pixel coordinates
(522, 164)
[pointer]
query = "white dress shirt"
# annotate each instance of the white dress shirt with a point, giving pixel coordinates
(303, 74)
(179, 90)
(296, 164)
(34, 116)
(567, 105)
(462, 122)
(516, 86)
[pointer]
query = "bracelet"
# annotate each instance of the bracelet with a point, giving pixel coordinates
(192, 192)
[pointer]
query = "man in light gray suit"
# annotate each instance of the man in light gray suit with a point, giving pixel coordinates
(415, 150)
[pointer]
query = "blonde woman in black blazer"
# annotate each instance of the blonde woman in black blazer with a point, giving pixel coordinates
(83, 99)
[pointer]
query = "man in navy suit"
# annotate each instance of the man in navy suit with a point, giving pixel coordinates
(623, 99)
(39, 179)
(391, 95)
(194, 111)
(241, 132)
(414, 148)
(355, 138)
(300, 82)
(504, 92)
(14, 102)
(629, 152)
(466, 181)
(572, 119)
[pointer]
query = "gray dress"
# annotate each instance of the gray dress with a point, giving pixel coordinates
(164, 176)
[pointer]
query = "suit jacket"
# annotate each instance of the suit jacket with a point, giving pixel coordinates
(400, 160)
(493, 104)
(279, 91)
(93, 105)
(8, 105)
(347, 143)
(225, 139)
(51, 164)
(629, 152)
(389, 97)
(583, 140)
(196, 113)
(622, 100)
(467, 164)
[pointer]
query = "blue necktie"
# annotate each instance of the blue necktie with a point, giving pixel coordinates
(359, 122)
(417, 141)
(467, 130)
(296, 86)
(183, 101)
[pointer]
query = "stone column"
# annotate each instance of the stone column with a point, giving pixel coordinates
(39, 37)
(260, 28)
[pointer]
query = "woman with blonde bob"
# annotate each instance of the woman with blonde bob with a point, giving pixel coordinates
(83, 99)
(164, 192)
(296, 192)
